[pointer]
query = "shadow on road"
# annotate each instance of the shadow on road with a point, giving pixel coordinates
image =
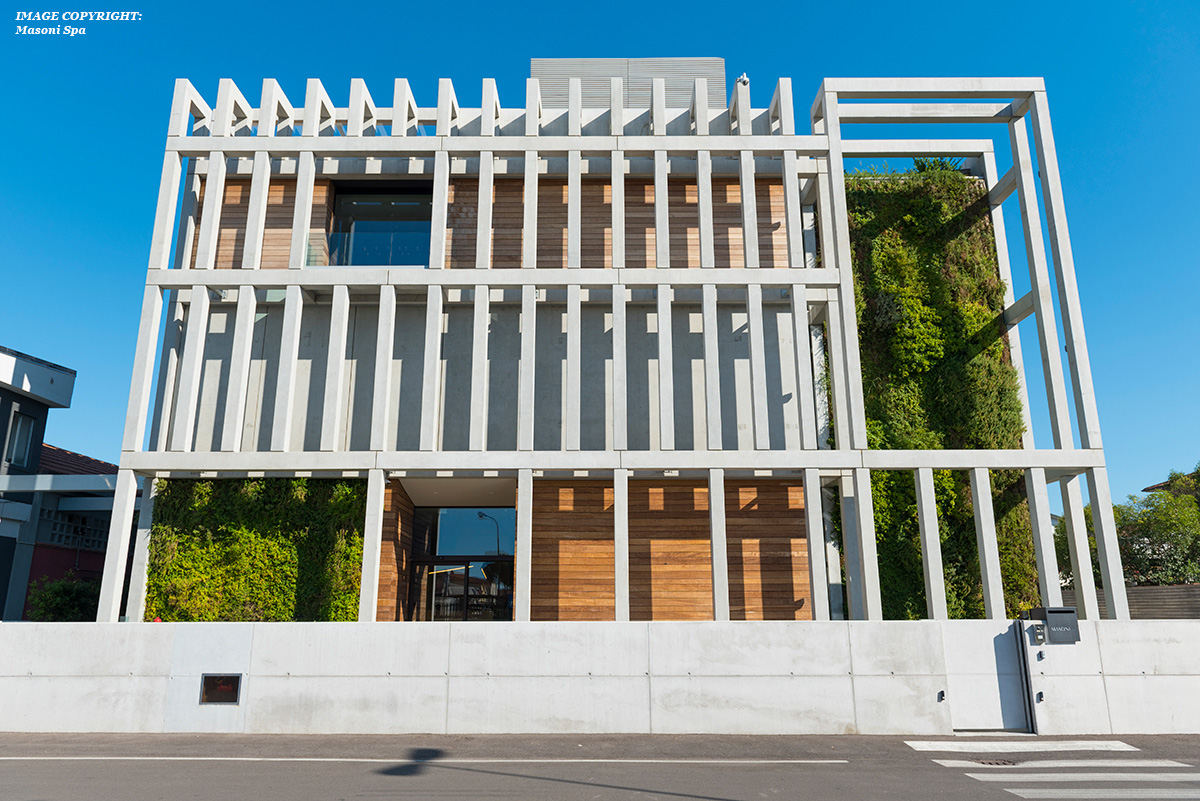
(421, 759)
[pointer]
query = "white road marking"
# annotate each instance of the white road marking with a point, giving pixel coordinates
(1017, 746)
(1086, 777)
(432, 761)
(1067, 763)
(1126, 793)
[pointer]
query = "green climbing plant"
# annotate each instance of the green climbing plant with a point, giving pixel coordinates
(256, 549)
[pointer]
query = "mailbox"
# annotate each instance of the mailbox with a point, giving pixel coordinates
(1062, 623)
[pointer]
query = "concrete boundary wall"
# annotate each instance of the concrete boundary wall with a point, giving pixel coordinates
(869, 677)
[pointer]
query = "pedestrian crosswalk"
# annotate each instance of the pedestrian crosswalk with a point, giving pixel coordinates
(1071, 777)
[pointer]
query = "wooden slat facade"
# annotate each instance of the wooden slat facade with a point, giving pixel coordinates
(669, 551)
(768, 551)
(573, 575)
(395, 564)
(670, 558)
(507, 219)
(277, 231)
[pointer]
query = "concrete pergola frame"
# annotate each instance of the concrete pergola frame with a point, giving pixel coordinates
(279, 139)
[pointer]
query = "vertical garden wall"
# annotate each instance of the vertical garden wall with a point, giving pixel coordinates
(256, 549)
(936, 374)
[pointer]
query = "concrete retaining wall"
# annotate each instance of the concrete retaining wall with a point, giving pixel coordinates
(743, 677)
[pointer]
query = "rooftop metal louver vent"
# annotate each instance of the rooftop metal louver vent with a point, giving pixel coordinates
(636, 75)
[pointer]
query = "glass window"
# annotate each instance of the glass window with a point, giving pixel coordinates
(463, 563)
(381, 229)
(20, 436)
(476, 532)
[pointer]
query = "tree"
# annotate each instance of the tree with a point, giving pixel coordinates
(1159, 537)
(1158, 534)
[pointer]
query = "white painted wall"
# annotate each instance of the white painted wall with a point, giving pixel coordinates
(741, 677)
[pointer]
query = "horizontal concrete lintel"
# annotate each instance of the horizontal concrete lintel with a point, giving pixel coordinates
(925, 112)
(320, 277)
(372, 167)
(381, 146)
(452, 462)
(869, 148)
(933, 88)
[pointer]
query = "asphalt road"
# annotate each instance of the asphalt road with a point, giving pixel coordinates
(56, 767)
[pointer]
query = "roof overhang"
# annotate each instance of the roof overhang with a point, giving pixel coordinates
(42, 381)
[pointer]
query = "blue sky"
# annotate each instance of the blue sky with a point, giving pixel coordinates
(85, 117)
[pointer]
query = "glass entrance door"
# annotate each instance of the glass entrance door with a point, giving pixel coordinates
(463, 563)
(471, 591)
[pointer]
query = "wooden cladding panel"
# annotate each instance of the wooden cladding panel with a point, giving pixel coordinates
(670, 565)
(596, 222)
(669, 551)
(572, 567)
(396, 555)
(767, 550)
(277, 232)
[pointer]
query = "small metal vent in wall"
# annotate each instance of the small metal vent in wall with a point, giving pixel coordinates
(221, 688)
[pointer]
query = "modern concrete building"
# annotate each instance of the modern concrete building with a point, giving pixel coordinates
(595, 351)
(606, 317)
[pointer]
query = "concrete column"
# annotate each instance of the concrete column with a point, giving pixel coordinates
(113, 582)
(854, 584)
(666, 372)
(620, 395)
(833, 557)
(621, 542)
(1115, 600)
(431, 378)
(720, 555)
(931, 546)
(239, 370)
(332, 435)
(1043, 537)
(1080, 550)
(285, 387)
(368, 593)
(758, 367)
(385, 333)
(526, 372)
(481, 322)
(135, 607)
(18, 583)
(985, 535)
(867, 556)
(712, 367)
(524, 555)
(814, 534)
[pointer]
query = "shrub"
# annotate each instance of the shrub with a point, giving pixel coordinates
(256, 549)
(68, 599)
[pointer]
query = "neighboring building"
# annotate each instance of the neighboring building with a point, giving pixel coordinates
(467, 306)
(54, 504)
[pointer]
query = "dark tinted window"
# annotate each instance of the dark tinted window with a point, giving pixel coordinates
(381, 229)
